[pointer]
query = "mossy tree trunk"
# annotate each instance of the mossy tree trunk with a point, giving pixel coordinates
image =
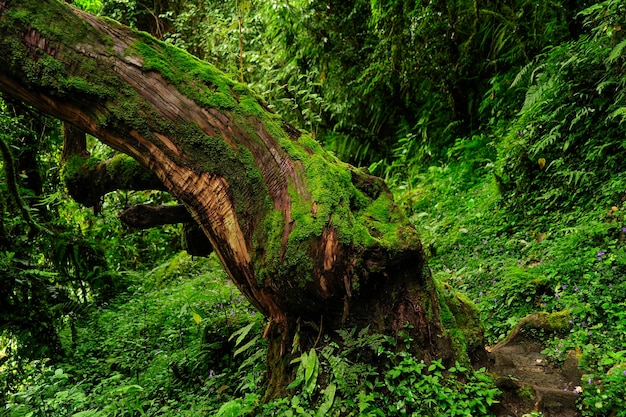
(304, 236)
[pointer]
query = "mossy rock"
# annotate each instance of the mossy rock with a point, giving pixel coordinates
(541, 323)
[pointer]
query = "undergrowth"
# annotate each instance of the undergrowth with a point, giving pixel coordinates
(514, 258)
(160, 349)
(340, 379)
(182, 341)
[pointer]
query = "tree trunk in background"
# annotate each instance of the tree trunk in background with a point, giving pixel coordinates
(306, 238)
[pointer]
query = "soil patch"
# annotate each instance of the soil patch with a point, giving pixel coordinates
(529, 382)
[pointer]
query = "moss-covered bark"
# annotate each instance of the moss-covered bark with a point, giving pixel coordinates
(303, 235)
(88, 180)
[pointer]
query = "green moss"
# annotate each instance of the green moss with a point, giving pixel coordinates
(294, 151)
(121, 170)
(294, 265)
(76, 168)
(271, 243)
(134, 113)
(56, 30)
(90, 80)
(125, 171)
(47, 72)
(197, 79)
(251, 107)
(359, 220)
(20, 15)
(552, 322)
(253, 198)
(82, 85)
(297, 264)
(559, 321)
(384, 221)
(310, 144)
(330, 188)
(460, 319)
(55, 22)
(106, 40)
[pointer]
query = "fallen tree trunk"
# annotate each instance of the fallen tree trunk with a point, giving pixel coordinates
(304, 236)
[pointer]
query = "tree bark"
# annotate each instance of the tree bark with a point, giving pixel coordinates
(142, 216)
(305, 237)
(89, 180)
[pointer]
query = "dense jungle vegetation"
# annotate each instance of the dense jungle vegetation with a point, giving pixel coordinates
(500, 127)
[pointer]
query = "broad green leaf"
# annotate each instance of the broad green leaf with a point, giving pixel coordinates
(246, 346)
(241, 333)
(311, 370)
(329, 398)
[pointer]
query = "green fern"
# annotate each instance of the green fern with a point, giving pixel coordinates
(522, 73)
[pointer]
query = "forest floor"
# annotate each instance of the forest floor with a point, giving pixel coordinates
(515, 261)
(529, 382)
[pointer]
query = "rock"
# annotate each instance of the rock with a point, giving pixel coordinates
(556, 402)
(571, 366)
(507, 384)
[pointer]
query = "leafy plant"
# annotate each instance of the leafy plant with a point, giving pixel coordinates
(345, 380)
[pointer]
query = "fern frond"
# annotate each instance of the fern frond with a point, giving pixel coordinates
(619, 113)
(616, 52)
(576, 177)
(604, 84)
(535, 71)
(521, 75)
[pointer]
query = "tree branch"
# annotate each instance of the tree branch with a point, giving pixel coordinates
(142, 216)
(88, 180)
